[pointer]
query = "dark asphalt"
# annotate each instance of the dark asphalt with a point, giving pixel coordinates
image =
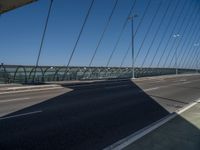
(90, 116)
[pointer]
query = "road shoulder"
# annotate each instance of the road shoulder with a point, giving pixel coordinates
(180, 133)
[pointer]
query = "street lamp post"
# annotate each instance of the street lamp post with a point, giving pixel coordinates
(176, 54)
(132, 44)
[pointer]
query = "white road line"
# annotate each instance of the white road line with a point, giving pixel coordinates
(30, 90)
(16, 99)
(137, 135)
(30, 87)
(99, 83)
(187, 82)
(188, 107)
(118, 86)
(20, 115)
(164, 86)
(182, 80)
(151, 89)
(154, 88)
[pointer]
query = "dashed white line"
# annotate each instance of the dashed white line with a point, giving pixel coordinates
(30, 90)
(118, 86)
(16, 99)
(30, 87)
(151, 89)
(20, 115)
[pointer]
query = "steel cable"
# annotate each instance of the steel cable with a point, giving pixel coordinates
(80, 33)
(184, 31)
(190, 65)
(190, 41)
(79, 36)
(185, 41)
(168, 39)
(44, 32)
(148, 29)
(156, 33)
(164, 34)
(137, 28)
(126, 53)
(196, 57)
(103, 33)
(190, 34)
(179, 17)
(120, 35)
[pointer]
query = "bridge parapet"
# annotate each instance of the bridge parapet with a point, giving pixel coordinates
(32, 74)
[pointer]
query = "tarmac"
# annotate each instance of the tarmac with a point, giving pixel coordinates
(93, 115)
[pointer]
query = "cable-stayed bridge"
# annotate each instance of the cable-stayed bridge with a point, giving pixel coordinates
(169, 40)
(129, 81)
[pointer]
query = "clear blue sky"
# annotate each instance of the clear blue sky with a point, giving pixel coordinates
(22, 28)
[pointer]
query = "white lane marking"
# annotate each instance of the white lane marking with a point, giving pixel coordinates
(188, 107)
(182, 80)
(142, 132)
(151, 89)
(118, 86)
(157, 81)
(16, 99)
(20, 115)
(28, 87)
(187, 82)
(164, 86)
(30, 90)
(163, 77)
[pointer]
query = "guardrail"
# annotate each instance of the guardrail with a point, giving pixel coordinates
(32, 74)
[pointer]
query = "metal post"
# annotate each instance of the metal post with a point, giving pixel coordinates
(176, 54)
(132, 45)
(176, 63)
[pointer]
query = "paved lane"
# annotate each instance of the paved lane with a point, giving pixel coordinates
(90, 116)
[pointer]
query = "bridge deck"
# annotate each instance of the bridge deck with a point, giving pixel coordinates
(181, 133)
(90, 116)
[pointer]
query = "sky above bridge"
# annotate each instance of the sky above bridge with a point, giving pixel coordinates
(173, 20)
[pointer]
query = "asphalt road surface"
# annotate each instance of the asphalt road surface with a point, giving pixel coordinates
(90, 116)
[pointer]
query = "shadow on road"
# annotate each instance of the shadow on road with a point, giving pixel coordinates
(90, 117)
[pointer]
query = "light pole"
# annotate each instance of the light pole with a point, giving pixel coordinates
(176, 55)
(132, 44)
(196, 45)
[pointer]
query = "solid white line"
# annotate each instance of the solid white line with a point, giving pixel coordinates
(16, 99)
(20, 115)
(30, 90)
(137, 135)
(188, 107)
